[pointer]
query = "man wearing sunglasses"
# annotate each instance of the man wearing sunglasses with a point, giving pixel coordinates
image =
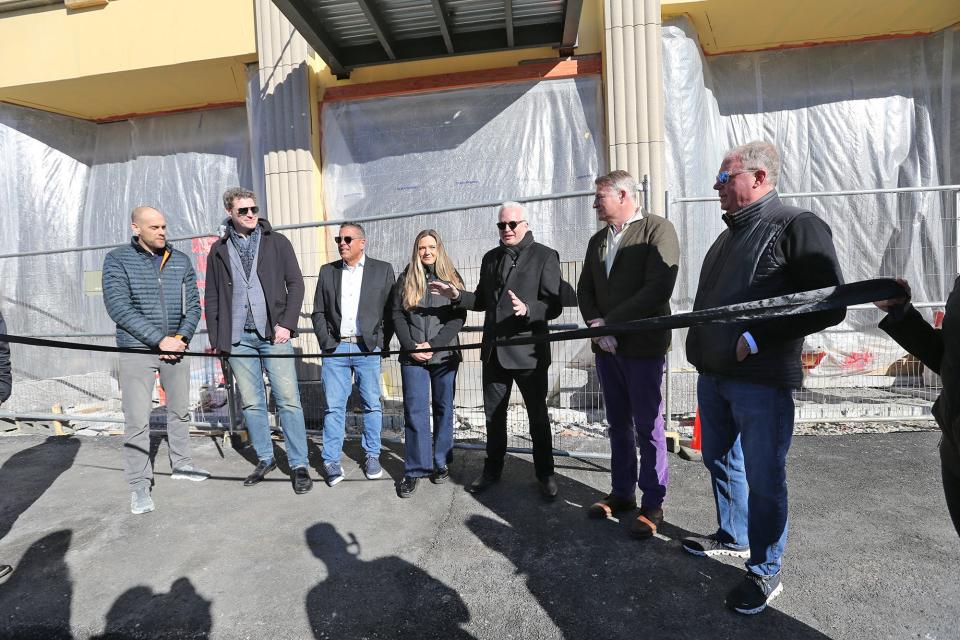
(748, 371)
(519, 290)
(351, 315)
(629, 271)
(253, 296)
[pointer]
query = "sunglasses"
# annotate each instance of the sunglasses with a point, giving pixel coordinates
(512, 224)
(345, 239)
(724, 176)
(244, 211)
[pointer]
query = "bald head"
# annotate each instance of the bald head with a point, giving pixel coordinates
(139, 213)
(150, 227)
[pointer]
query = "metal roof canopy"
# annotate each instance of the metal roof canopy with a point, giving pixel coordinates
(354, 33)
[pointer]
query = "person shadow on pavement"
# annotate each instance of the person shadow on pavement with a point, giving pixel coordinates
(181, 613)
(27, 474)
(382, 598)
(593, 580)
(35, 600)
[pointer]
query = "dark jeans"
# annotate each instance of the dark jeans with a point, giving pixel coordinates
(631, 394)
(950, 468)
(421, 454)
(497, 384)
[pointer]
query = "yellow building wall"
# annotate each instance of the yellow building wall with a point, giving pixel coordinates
(128, 56)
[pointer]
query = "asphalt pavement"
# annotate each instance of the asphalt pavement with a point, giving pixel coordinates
(871, 552)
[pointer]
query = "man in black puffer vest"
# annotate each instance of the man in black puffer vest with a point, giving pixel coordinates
(748, 371)
(519, 291)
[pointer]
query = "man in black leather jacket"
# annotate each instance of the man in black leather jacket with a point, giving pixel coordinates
(748, 371)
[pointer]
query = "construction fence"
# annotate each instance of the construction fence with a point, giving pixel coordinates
(854, 372)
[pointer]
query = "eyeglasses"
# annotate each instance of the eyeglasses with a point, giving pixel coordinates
(345, 239)
(724, 176)
(513, 224)
(251, 211)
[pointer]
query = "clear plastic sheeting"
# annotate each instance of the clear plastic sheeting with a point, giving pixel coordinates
(72, 183)
(464, 146)
(471, 145)
(868, 115)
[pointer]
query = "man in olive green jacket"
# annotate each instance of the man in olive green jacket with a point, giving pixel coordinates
(629, 272)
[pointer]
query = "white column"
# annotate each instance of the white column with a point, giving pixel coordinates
(634, 91)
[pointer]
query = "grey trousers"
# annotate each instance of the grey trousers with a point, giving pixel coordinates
(138, 375)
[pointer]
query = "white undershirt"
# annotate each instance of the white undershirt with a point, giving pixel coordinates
(613, 239)
(350, 284)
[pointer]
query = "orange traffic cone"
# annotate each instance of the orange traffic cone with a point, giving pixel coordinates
(695, 440)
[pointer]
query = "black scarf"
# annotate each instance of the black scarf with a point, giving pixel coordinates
(508, 259)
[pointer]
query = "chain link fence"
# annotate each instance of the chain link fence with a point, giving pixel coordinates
(854, 371)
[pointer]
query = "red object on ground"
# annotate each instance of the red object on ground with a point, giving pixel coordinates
(160, 392)
(938, 319)
(695, 440)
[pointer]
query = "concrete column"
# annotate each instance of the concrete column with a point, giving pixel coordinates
(283, 131)
(283, 118)
(634, 91)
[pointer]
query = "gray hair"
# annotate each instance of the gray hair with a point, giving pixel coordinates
(355, 225)
(510, 204)
(758, 154)
(618, 180)
(236, 193)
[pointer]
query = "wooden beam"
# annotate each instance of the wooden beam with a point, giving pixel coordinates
(379, 26)
(584, 65)
(444, 22)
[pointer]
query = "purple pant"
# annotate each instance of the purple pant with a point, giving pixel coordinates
(631, 394)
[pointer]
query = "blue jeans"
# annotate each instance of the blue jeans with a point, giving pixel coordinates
(282, 373)
(337, 375)
(420, 454)
(746, 430)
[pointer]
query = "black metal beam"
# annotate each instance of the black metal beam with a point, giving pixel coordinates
(571, 23)
(539, 35)
(304, 20)
(444, 22)
(379, 27)
(508, 14)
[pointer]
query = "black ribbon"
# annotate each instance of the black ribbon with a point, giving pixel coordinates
(792, 304)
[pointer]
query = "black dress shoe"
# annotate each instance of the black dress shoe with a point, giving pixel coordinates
(301, 480)
(263, 468)
(548, 488)
(407, 486)
(484, 482)
(440, 475)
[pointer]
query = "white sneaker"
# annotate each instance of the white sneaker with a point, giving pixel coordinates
(140, 501)
(190, 472)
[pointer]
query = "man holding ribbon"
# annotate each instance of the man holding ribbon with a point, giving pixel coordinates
(150, 291)
(748, 371)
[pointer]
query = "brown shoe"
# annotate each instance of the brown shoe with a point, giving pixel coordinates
(647, 523)
(610, 505)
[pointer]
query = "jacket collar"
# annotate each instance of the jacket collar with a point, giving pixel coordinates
(751, 212)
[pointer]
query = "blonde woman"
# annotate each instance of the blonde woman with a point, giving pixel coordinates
(426, 321)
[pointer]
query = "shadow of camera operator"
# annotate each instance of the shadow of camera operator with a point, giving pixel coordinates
(382, 598)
